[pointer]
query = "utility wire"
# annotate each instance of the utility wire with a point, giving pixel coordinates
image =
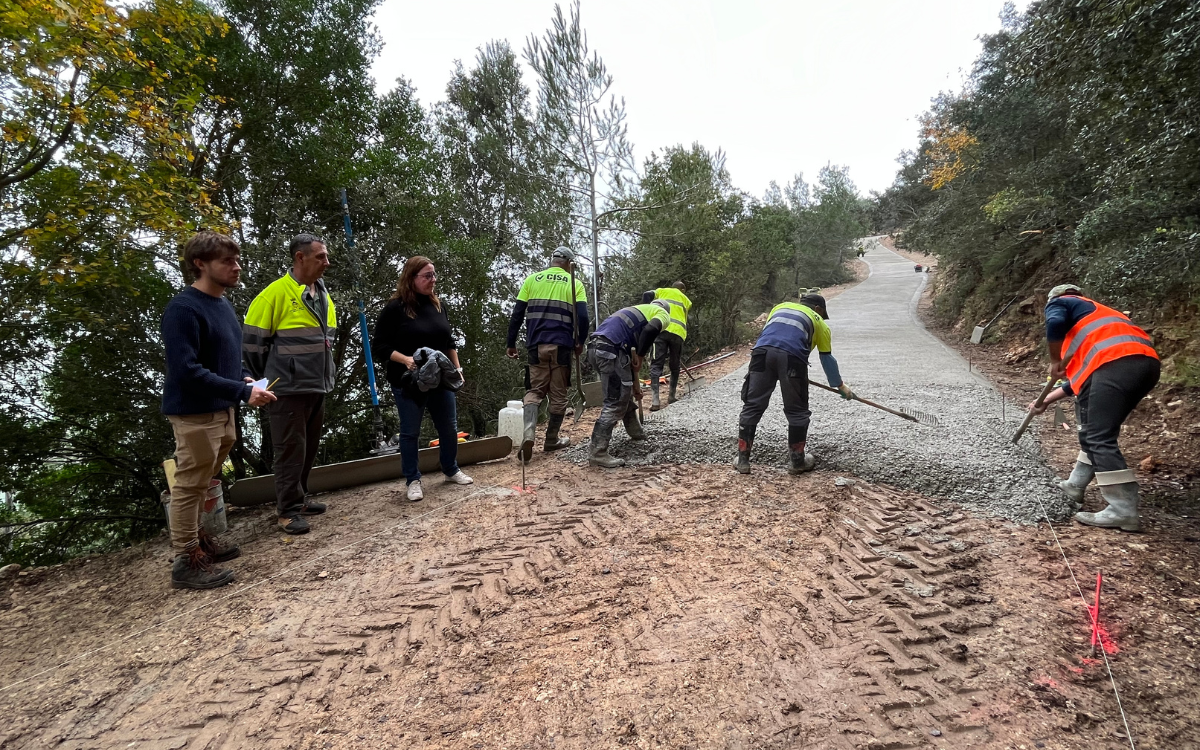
(1082, 598)
(248, 587)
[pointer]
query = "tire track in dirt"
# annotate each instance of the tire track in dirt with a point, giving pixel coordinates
(664, 604)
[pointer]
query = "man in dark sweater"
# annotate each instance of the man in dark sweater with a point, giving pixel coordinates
(205, 382)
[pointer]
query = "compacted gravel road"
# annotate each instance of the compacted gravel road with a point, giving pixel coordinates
(888, 356)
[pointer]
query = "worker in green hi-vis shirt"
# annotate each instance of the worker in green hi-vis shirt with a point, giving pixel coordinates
(669, 344)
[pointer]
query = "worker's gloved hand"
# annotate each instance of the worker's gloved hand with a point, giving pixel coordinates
(846, 392)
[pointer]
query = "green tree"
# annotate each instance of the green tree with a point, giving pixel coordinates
(95, 195)
(585, 128)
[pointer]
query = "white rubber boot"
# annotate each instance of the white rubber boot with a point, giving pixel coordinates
(1120, 490)
(1081, 476)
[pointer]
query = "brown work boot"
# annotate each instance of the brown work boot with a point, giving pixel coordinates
(194, 570)
(215, 550)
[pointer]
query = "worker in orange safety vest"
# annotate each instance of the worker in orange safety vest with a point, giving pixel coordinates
(1109, 365)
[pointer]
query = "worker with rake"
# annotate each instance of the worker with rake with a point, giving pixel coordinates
(669, 343)
(553, 306)
(780, 356)
(1109, 365)
(615, 350)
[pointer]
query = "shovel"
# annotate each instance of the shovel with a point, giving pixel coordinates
(694, 383)
(1029, 416)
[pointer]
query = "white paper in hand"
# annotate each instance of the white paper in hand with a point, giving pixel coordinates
(260, 384)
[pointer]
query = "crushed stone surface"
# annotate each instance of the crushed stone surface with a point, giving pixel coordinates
(887, 356)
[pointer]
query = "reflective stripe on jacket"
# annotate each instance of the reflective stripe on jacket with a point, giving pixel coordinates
(796, 329)
(548, 314)
(680, 306)
(625, 325)
(283, 338)
(1099, 338)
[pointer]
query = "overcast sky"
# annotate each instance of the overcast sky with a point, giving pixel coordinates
(782, 87)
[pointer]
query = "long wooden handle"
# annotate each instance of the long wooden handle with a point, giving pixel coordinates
(1029, 417)
(575, 338)
(900, 414)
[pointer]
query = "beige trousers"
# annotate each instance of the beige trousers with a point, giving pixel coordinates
(550, 374)
(202, 442)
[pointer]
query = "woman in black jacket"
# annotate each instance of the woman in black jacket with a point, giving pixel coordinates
(413, 318)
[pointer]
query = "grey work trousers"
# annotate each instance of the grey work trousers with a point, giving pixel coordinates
(616, 378)
(667, 345)
(770, 367)
(1106, 400)
(296, 422)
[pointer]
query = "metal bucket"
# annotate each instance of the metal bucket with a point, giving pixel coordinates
(212, 511)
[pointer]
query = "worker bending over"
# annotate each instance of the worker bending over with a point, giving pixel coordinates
(554, 309)
(781, 356)
(670, 342)
(615, 350)
(1109, 365)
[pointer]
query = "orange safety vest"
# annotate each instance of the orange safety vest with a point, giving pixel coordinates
(1099, 338)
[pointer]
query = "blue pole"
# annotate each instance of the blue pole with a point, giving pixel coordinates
(362, 307)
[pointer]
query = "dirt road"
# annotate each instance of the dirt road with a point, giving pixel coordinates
(667, 606)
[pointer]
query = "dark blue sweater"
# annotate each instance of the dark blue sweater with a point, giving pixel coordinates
(1062, 313)
(203, 339)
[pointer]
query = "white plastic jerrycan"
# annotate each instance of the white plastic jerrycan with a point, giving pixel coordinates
(512, 422)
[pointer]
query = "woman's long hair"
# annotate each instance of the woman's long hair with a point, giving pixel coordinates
(406, 290)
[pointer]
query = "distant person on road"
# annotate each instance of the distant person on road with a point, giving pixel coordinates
(288, 339)
(1109, 365)
(615, 350)
(414, 325)
(669, 343)
(780, 356)
(545, 305)
(204, 384)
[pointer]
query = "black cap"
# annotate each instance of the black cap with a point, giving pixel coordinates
(817, 303)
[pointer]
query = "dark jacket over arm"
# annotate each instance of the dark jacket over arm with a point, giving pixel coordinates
(396, 332)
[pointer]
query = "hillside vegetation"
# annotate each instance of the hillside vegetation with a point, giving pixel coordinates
(125, 128)
(1072, 154)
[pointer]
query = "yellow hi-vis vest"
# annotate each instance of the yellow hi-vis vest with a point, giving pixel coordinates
(680, 306)
(283, 338)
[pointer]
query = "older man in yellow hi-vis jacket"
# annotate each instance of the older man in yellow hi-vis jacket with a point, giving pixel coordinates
(288, 339)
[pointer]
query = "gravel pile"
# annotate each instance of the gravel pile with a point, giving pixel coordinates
(887, 356)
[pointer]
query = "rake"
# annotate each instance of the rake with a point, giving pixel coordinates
(909, 414)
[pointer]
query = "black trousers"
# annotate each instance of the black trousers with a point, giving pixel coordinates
(1106, 400)
(770, 367)
(667, 346)
(296, 422)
